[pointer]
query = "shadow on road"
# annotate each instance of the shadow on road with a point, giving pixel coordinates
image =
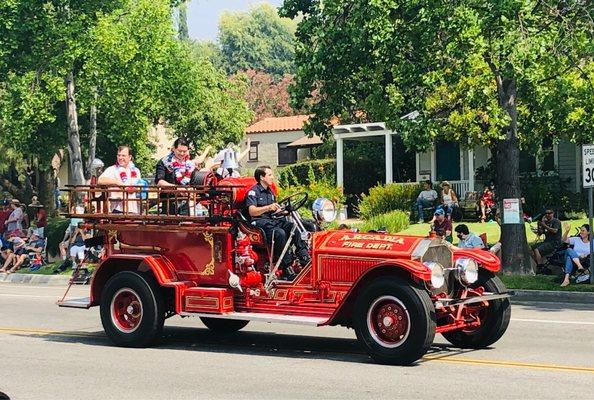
(249, 343)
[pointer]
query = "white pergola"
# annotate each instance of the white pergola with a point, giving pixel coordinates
(368, 131)
(375, 131)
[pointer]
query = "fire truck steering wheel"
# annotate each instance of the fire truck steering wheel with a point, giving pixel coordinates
(291, 203)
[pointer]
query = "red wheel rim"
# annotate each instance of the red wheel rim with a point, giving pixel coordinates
(126, 310)
(388, 321)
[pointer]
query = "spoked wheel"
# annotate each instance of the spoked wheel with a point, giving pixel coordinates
(132, 310)
(223, 326)
(494, 318)
(394, 321)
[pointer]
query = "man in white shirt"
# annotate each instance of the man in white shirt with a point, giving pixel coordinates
(425, 199)
(125, 175)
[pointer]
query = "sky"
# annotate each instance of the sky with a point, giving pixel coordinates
(203, 15)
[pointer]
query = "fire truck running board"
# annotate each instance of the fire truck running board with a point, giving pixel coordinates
(83, 302)
(263, 317)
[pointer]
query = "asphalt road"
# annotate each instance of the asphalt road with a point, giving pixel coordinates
(48, 352)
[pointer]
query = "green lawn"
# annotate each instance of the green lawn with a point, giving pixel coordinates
(490, 228)
(541, 282)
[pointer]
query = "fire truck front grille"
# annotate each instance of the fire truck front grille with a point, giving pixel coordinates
(438, 252)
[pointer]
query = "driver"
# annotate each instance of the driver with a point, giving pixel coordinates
(261, 205)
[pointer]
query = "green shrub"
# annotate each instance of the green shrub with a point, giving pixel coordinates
(314, 188)
(385, 198)
(299, 173)
(550, 191)
(54, 231)
(392, 222)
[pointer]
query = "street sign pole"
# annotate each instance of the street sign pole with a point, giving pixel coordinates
(591, 241)
(588, 182)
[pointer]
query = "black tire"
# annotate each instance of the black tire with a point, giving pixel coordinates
(223, 326)
(494, 323)
(394, 297)
(123, 328)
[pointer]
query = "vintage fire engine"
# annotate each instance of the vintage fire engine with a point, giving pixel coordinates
(193, 252)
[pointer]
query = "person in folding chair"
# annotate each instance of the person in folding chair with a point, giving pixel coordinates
(577, 253)
(263, 209)
(550, 227)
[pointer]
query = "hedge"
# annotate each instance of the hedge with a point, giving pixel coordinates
(385, 198)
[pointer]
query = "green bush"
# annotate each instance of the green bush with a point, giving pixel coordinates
(550, 191)
(54, 231)
(385, 198)
(314, 188)
(299, 173)
(392, 222)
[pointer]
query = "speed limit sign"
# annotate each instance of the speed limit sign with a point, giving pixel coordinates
(588, 165)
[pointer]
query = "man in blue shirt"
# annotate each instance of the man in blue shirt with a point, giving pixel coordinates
(468, 240)
(262, 207)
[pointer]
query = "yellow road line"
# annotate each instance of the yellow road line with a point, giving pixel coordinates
(516, 364)
(438, 358)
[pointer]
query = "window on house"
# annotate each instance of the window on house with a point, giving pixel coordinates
(253, 153)
(286, 155)
(527, 162)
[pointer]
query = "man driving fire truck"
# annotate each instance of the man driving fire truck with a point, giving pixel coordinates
(264, 211)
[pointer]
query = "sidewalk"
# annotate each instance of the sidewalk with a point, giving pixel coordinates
(524, 296)
(35, 279)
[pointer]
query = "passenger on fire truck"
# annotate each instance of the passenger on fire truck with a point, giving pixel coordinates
(262, 207)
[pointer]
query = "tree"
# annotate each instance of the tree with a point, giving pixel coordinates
(259, 40)
(130, 73)
(265, 96)
(501, 74)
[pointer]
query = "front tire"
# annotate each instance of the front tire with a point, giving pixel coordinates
(132, 310)
(223, 326)
(494, 322)
(394, 321)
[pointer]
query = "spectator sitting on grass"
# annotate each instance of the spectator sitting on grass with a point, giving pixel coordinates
(579, 251)
(551, 228)
(16, 257)
(425, 199)
(468, 240)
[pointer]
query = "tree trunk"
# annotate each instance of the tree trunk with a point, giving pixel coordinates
(182, 21)
(515, 253)
(74, 151)
(92, 135)
(46, 188)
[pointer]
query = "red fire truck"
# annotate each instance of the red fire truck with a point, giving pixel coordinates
(194, 252)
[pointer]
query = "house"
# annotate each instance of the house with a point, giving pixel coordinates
(449, 161)
(279, 141)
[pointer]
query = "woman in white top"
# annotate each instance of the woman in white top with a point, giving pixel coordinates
(449, 200)
(580, 250)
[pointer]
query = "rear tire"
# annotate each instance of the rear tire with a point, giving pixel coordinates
(132, 309)
(223, 326)
(394, 321)
(494, 323)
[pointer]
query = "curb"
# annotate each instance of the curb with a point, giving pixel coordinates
(34, 279)
(549, 296)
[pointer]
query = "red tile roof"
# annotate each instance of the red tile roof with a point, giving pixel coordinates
(278, 124)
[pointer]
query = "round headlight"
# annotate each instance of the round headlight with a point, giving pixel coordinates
(437, 274)
(323, 210)
(467, 270)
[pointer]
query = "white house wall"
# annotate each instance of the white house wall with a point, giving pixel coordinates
(268, 147)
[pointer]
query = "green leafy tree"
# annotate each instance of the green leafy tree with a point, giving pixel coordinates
(258, 39)
(503, 74)
(127, 72)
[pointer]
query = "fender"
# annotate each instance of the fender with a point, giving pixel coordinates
(410, 269)
(160, 267)
(484, 258)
